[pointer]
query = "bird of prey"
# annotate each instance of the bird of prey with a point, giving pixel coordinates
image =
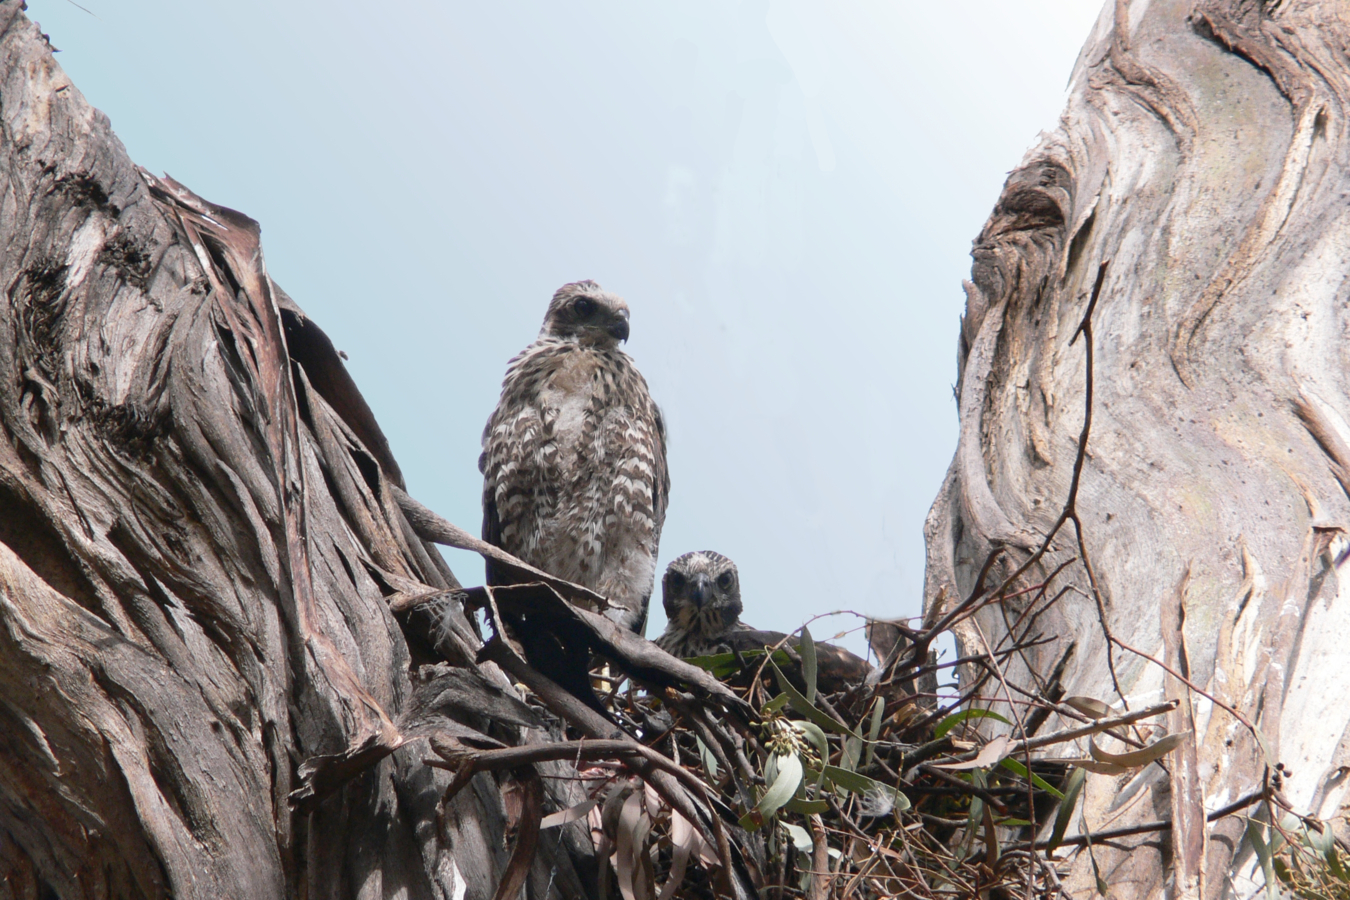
(701, 592)
(574, 457)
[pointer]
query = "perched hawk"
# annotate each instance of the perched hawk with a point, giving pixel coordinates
(701, 592)
(574, 456)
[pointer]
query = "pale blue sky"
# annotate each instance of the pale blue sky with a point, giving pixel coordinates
(785, 192)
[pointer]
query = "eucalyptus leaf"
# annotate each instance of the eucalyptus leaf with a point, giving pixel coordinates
(1143, 756)
(812, 732)
(1093, 709)
(709, 760)
(1091, 765)
(974, 818)
(807, 807)
(1072, 788)
(1322, 841)
(806, 649)
(955, 719)
(1264, 856)
(805, 707)
(1018, 767)
(1289, 824)
(784, 784)
(719, 665)
(851, 753)
(569, 815)
(1337, 868)
(801, 838)
(989, 755)
(878, 715)
(858, 783)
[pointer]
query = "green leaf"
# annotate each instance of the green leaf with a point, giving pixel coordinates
(807, 807)
(955, 719)
(1265, 748)
(774, 705)
(807, 650)
(848, 757)
(801, 838)
(805, 707)
(1337, 869)
(1012, 823)
(1265, 856)
(1323, 841)
(811, 731)
(878, 713)
(973, 824)
(709, 761)
(1013, 765)
(1289, 824)
(721, 665)
(784, 785)
(1102, 887)
(858, 783)
(1072, 788)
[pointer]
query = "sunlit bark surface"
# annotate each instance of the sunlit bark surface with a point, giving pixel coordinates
(199, 543)
(1204, 158)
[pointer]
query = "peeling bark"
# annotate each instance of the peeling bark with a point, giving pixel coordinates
(1205, 155)
(200, 534)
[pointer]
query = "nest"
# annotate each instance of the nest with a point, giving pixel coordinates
(772, 771)
(764, 773)
(741, 775)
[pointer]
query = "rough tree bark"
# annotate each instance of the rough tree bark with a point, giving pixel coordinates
(1204, 159)
(199, 540)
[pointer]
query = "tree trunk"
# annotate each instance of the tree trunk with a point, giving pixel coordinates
(199, 539)
(1202, 167)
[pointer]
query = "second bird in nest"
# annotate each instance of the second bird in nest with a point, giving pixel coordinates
(701, 593)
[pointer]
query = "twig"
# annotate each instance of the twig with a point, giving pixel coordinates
(969, 788)
(1070, 505)
(820, 861)
(1026, 752)
(1100, 725)
(527, 837)
(657, 771)
(1190, 684)
(1147, 827)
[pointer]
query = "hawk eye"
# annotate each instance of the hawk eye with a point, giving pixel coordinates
(724, 581)
(583, 307)
(676, 581)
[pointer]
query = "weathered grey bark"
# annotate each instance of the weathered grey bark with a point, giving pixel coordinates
(1205, 154)
(198, 539)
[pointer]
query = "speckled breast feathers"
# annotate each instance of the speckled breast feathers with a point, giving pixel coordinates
(574, 457)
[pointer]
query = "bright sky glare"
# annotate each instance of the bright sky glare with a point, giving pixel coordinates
(785, 192)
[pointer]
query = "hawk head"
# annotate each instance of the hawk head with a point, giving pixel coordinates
(701, 592)
(584, 312)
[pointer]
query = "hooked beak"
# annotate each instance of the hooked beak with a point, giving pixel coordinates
(700, 590)
(619, 330)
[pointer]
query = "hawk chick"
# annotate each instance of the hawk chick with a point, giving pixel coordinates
(701, 592)
(574, 456)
